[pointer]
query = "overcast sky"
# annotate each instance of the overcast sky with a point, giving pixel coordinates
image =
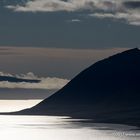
(70, 23)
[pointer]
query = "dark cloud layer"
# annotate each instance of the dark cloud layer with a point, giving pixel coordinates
(132, 4)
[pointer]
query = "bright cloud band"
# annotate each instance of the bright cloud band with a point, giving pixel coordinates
(45, 83)
(128, 10)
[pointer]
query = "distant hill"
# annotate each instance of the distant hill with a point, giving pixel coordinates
(108, 91)
(15, 79)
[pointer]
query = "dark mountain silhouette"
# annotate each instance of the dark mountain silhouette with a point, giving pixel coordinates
(15, 79)
(108, 91)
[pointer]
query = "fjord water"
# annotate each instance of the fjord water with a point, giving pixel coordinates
(62, 128)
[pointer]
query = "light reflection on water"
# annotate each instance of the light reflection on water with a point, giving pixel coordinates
(16, 105)
(61, 128)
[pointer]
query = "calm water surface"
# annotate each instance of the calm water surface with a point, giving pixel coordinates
(61, 128)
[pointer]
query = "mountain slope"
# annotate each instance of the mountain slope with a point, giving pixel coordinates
(107, 91)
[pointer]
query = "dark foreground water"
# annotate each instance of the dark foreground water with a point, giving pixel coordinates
(61, 128)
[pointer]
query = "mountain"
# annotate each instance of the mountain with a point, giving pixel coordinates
(108, 91)
(15, 79)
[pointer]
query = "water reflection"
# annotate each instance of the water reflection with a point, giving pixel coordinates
(62, 128)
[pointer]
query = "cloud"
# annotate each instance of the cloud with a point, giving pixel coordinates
(132, 4)
(128, 10)
(74, 20)
(28, 75)
(45, 82)
(131, 18)
(65, 5)
(5, 74)
(52, 5)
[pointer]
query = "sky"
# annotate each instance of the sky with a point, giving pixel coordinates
(59, 64)
(70, 23)
(59, 38)
(54, 40)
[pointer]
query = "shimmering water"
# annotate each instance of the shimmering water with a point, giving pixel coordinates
(61, 128)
